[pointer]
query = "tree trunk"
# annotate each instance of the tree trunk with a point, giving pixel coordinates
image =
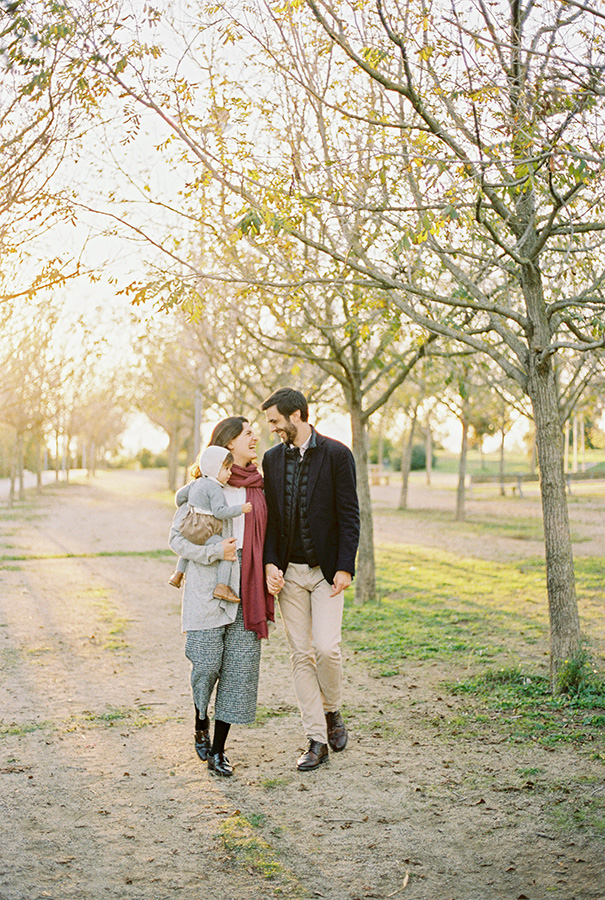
(406, 460)
(574, 465)
(566, 448)
(37, 457)
(57, 456)
(428, 452)
(542, 391)
(21, 465)
(461, 491)
(503, 435)
(560, 579)
(532, 453)
(365, 578)
(66, 458)
(173, 459)
(13, 473)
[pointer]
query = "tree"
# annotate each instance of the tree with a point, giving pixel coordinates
(30, 373)
(166, 384)
(44, 102)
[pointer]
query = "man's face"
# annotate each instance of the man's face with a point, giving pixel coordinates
(284, 426)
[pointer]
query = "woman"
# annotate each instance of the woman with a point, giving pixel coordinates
(223, 639)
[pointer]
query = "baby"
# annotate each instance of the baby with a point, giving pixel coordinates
(205, 494)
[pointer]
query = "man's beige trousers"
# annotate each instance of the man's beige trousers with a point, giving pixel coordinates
(312, 622)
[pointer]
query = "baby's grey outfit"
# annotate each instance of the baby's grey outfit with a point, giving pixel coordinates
(207, 494)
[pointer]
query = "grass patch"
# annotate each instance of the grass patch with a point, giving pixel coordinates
(112, 714)
(589, 575)
(272, 784)
(586, 812)
(239, 835)
(267, 713)
(484, 526)
(19, 507)
(148, 554)
(25, 728)
(114, 624)
(136, 716)
(133, 717)
(521, 706)
(530, 771)
(9, 658)
(434, 605)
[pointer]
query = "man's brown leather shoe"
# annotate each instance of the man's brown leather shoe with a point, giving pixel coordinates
(315, 754)
(224, 592)
(337, 733)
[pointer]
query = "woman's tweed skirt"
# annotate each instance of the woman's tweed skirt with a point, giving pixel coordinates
(229, 655)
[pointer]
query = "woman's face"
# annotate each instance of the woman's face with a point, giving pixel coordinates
(243, 447)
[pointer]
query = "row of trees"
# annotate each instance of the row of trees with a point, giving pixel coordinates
(56, 391)
(60, 400)
(370, 186)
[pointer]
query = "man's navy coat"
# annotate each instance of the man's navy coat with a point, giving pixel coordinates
(331, 503)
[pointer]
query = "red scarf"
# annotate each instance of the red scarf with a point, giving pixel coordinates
(258, 605)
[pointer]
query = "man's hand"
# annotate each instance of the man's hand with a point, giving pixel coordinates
(341, 581)
(229, 549)
(275, 579)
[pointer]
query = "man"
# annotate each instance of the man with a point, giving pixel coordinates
(310, 548)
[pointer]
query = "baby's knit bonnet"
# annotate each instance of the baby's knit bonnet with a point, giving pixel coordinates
(211, 460)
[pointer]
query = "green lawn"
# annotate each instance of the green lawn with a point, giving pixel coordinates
(486, 622)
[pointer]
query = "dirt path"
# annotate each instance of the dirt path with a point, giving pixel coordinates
(102, 795)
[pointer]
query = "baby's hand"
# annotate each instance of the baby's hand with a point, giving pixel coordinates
(246, 507)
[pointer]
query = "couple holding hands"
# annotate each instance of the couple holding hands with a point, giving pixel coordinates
(294, 535)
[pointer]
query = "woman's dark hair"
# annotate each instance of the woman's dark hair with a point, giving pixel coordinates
(227, 430)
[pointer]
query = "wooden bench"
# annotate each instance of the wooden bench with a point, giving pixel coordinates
(599, 475)
(379, 476)
(517, 481)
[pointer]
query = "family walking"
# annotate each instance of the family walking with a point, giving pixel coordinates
(292, 535)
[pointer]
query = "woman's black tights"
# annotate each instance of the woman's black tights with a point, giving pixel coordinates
(201, 724)
(221, 730)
